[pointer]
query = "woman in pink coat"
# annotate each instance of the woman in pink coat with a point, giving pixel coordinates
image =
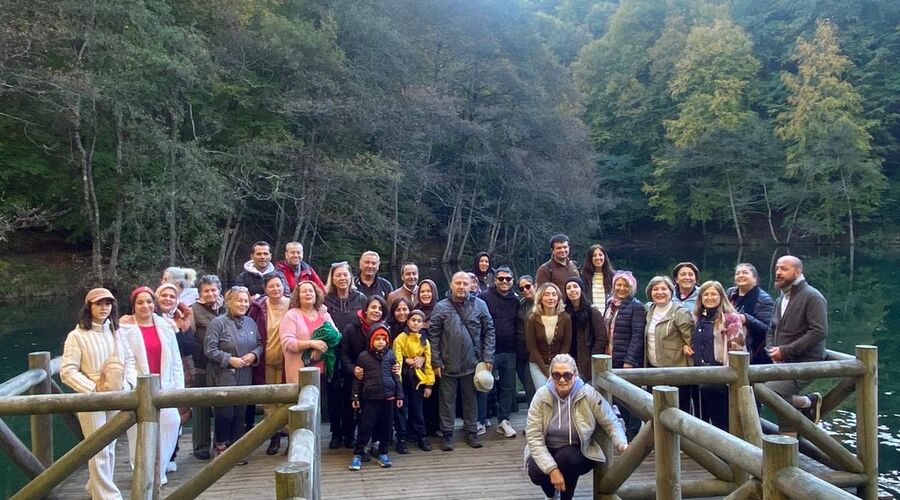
(307, 313)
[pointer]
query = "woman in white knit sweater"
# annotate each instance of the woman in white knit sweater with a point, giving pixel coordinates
(88, 347)
(152, 340)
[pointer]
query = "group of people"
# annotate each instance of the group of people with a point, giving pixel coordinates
(395, 361)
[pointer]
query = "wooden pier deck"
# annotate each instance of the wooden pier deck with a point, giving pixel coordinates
(493, 472)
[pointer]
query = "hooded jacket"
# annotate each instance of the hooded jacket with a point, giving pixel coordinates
(412, 345)
(343, 311)
(485, 279)
(252, 278)
(291, 278)
(461, 335)
(504, 311)
(379, 381)
(586, 413)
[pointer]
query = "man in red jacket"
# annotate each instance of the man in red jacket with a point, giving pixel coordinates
(294, 269)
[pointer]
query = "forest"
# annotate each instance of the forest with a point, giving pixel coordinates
(155, 132)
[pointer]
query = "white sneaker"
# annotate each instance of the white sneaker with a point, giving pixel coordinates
(506, 429)
(480, 429)
(171, 467)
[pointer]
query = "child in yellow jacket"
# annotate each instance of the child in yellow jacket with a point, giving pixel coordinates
(413, 352)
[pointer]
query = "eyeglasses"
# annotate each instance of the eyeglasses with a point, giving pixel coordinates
(504, 278)
(525, 287)
(339, 264)
(239, 289)
(567, 376)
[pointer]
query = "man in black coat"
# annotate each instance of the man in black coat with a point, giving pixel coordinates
(503, 305)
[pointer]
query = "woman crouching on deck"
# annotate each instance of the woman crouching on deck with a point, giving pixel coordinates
(560, 430)
(97, 359)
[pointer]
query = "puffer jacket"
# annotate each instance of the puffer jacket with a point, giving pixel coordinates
(379, 381)
(628, 338)
(461, 335)
(592, 417)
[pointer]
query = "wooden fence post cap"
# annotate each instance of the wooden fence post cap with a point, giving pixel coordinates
(601, 356)
(779, 440)
(664, 389)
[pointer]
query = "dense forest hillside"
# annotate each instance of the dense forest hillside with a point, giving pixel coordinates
(156, 132)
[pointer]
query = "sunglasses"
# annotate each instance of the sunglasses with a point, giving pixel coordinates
(339, 264)
(567, 376)
(504, 278)
(526, 287)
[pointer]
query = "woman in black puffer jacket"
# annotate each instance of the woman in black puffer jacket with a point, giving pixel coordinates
(625, 319)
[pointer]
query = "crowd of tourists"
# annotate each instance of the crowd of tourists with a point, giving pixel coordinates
(395, 362)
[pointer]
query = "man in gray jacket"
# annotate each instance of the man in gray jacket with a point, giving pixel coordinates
(461, 336)
(797, 332)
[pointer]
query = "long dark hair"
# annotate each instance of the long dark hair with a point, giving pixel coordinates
(395, 326)
(582, 315)
(587, 270)
(86, 320)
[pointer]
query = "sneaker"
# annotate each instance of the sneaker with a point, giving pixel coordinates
(401, 448)
(480, 429)
(171, 467)
(447, 445)
(424, 445)
(473, 440)
(814, 411)
(355, 462)
(506, 429)
(384, 460)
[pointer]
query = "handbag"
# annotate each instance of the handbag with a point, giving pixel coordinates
(112, 372)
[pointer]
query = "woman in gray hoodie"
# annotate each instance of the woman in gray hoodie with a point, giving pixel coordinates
(560, 430)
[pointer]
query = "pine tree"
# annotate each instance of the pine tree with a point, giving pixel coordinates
(829, 151)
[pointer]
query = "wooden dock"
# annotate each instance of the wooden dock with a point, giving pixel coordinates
(495, 471)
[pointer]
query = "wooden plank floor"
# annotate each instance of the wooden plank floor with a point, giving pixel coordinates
(493, 472)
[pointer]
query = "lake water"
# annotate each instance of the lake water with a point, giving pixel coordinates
(861, 305)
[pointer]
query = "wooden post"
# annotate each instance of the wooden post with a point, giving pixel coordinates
(602, 363)
(749, 414)
(145, 480)
(42, 425)
(779, 452)
(67, 464)
(867, 420)
(312, 376)
(668, 448)
(291, 479)
(739, 362)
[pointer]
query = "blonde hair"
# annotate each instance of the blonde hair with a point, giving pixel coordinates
(724, 304)
(538, 309)
(232, 294)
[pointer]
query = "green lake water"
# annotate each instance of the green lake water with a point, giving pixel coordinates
(862, 309)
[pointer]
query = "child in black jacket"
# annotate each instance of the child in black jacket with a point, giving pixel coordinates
(376, 394)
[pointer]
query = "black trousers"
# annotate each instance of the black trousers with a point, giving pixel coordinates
(711, 404)
(376, 422)
(229, 423)
(340, 411)
(571, 463)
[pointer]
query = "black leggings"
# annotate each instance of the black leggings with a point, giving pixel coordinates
(571, 463)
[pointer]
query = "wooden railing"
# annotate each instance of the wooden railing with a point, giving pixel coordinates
(743, 462)
(299, 477)
(141, 407)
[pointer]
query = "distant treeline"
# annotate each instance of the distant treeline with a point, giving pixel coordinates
(163, 132)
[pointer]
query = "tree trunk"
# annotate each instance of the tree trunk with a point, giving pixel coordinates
(414, 226)
(451, 228)
(223, 247)
(849, 208)
(495, 227)
(769, 213)
(170, 209)
(91, 207)
(279, 226)
(396, 230)
(465, 238)
(787, 240)
(120, 195)
(734, 214)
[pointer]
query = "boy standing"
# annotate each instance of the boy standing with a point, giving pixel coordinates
(413, 352)
(376, 395)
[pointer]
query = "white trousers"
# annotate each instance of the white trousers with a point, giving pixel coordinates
(101, 467)
(169, 422)
(537, 376)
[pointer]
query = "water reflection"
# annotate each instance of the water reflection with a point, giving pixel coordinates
(861, 309)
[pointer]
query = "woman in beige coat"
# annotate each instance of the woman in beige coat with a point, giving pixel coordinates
(94, 343)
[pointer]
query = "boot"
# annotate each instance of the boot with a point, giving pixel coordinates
(274, 444)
